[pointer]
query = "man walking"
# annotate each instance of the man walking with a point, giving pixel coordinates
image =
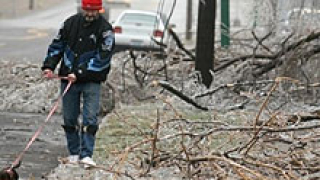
(83, 47)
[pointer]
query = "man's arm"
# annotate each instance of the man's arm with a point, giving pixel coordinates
(55, 51)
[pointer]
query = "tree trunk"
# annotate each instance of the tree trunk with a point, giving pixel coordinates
(205, 40)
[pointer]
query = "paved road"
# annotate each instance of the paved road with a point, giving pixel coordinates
(27, 38)
(24, 44)
(17, 129)
(51, 18)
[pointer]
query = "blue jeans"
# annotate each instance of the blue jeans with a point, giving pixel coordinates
(90, 94)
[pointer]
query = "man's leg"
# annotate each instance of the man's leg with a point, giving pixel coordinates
(71, 111)
(91, 98)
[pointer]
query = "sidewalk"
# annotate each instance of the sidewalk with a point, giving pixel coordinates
(42, 157)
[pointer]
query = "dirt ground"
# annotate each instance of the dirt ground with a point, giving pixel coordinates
(16, 131)
(18, 8)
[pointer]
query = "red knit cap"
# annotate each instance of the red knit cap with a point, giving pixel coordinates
(91, 4)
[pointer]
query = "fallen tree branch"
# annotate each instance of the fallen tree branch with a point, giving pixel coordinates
(176, 92)
(180, 44)
(229, 161)
(243, 129)
(274, 57)
(253, 83)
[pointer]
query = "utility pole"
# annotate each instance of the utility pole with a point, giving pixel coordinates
(189, 20)
(31, 4)
(205, 40)
(14, 8)
(225, 23)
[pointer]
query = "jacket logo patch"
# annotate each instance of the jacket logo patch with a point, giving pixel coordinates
(108, 40)
(94, 38)
(106, 34)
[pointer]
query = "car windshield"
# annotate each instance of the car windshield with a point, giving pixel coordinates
(141, 19)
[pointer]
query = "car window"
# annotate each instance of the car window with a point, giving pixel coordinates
(141, 19)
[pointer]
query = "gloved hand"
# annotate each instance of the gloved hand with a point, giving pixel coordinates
(72, 77)
(47, 73)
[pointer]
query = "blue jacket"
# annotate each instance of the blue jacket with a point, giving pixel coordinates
(82, 48)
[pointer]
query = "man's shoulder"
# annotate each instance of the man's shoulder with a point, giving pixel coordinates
(105, 24)
(72, 18)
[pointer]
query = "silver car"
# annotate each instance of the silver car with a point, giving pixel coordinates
(138, 30)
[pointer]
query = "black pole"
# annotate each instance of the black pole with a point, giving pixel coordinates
(31, 4)
(189, 20)
(205, 40)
